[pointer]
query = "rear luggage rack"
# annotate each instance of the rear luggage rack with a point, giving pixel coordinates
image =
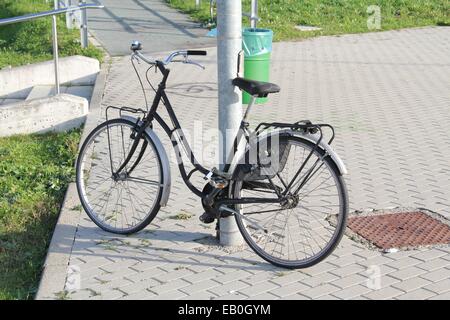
(304, 126)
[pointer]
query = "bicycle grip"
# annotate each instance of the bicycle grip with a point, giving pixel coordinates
(197, 53)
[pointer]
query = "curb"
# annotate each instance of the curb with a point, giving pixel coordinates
(53, 277)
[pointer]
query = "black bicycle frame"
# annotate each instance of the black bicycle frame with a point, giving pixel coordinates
(161, 96)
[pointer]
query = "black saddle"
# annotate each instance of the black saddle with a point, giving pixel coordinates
(256, 88)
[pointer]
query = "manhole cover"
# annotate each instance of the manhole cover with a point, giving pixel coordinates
(401, 230)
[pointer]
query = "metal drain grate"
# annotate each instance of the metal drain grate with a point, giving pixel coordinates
(400, 230)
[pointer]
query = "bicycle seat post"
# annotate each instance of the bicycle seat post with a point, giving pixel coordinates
(249, 108)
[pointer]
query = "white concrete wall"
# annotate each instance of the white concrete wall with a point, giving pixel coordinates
(75, 70)
(57, 113)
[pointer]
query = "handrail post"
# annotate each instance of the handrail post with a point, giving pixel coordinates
(211, 10)
(69, 15)
(84, 28)
(254, 14)
(55, 50)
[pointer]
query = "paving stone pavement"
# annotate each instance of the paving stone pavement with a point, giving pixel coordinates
(151, 21)
(387, 94)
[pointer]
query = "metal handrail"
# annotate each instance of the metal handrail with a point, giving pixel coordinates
(33, 16)
(253, 15)
(53, 14)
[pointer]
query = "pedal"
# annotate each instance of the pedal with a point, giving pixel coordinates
(218, 183)
(207, 218)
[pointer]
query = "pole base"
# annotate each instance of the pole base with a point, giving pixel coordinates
(228, 233)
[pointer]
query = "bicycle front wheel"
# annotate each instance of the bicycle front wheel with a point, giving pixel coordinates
(307, 227)
(124, 203)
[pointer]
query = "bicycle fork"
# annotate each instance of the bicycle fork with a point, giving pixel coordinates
(136, 136)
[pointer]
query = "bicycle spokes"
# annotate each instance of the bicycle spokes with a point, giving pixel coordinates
(305, 224)
(123, 201)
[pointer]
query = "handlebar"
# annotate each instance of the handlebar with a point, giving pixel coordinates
(136, 47)
(197, 53)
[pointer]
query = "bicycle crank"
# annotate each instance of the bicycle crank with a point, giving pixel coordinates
(211, 193)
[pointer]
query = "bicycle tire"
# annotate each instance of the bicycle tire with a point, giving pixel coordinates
(340, 223)
(80, 176)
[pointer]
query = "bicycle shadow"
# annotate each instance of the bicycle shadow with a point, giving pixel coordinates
(200, 90)
(166, 246)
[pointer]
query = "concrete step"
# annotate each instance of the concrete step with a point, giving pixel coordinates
(47, 91)
(74, 71)
(4, 102)
(57, 113)
(81, 91)
(18, 95)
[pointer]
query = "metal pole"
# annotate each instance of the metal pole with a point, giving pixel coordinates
(84, 28)
(229, 44)
(254, 14)
(69, 15)
(55, 50)
(211, 10)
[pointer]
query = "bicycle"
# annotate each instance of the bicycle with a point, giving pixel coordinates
(284, 184)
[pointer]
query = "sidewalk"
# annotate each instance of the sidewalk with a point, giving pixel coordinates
(159, 27)
(387, 94)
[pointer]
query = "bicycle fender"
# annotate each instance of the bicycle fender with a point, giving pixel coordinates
(323, 145)
(165, 164)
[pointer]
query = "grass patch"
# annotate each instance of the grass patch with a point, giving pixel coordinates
(62, 295)
(35, 171)
(77, 208)
(281, 274)
(333, 16)
(182, 216)
(30, 42)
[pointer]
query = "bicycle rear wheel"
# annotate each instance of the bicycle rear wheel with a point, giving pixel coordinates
(126, 203)
(304, 230)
